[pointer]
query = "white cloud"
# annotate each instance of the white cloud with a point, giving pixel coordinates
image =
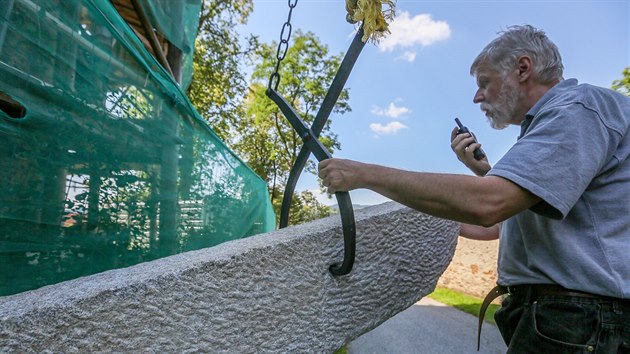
(391, 111)
(409, 56)
(390, 128)
(407, 31)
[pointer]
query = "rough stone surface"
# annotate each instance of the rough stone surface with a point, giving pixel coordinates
(267, 293)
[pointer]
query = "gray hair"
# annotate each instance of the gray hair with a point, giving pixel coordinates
(504, 51)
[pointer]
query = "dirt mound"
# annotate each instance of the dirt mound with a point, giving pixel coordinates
(473, 270)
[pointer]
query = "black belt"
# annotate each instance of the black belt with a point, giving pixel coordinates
(532, 291)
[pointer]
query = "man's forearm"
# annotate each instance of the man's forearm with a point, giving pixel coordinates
(470, 199)
(431, 193)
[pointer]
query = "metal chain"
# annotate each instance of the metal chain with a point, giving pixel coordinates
(283, 46)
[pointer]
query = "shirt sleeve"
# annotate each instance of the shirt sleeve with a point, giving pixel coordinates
(563, 150)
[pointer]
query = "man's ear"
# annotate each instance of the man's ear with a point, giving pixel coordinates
(525, 68)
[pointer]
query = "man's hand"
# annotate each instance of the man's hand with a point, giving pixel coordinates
(480, 233)
(340, 175)
(463, 145)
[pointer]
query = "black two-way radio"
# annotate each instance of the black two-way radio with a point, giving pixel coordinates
(478, 153)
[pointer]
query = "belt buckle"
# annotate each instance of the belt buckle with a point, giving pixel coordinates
(510, 290)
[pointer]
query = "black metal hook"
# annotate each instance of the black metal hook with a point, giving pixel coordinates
(343, 198)
(312, 144)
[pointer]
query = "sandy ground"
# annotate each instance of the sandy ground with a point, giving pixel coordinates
(473, 269)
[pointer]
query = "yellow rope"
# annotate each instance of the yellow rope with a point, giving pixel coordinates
(375, 19)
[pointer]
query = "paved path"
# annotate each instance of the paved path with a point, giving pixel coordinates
(429, 327)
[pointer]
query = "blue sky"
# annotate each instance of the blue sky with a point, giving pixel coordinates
(405, 92)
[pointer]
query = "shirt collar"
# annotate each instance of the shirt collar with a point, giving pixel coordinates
(529, 117)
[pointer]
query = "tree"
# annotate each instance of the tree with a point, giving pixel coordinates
(309, 208)
(623, 85)
(218, 82)
(266, 140)
(243, 117)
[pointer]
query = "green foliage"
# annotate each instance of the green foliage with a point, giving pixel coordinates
(266, 140)
(466, 303)
(623, 85)
(249, 122)
(308, 208)
(218, 82)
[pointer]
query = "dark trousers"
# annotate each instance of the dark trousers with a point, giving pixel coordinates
(564, 324)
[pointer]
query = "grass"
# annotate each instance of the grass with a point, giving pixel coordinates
(466, 303)
(342, 350)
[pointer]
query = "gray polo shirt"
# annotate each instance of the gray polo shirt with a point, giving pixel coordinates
(572, 153)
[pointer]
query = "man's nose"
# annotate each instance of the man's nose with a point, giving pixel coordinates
(478, 98)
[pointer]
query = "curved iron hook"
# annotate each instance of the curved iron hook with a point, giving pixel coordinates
(349, 235)
(343, 198)
(320, 121)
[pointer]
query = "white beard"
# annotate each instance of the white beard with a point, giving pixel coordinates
(503, 111)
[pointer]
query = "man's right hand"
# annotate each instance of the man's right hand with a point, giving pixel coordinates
(463, 145)
(339, 175)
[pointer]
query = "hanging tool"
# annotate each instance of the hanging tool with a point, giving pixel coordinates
(310, 137)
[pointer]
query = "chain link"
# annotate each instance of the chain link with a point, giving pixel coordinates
(283, 46)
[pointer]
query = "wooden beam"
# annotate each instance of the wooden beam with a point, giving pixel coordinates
(153, 40)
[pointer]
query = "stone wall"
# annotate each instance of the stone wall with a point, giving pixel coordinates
(267, 293)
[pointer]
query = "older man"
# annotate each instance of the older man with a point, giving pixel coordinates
(561, 195)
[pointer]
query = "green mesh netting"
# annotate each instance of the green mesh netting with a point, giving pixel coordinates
(104, 163)
(177, 21)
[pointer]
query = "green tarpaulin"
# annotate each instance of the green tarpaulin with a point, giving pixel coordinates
(104, 163)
